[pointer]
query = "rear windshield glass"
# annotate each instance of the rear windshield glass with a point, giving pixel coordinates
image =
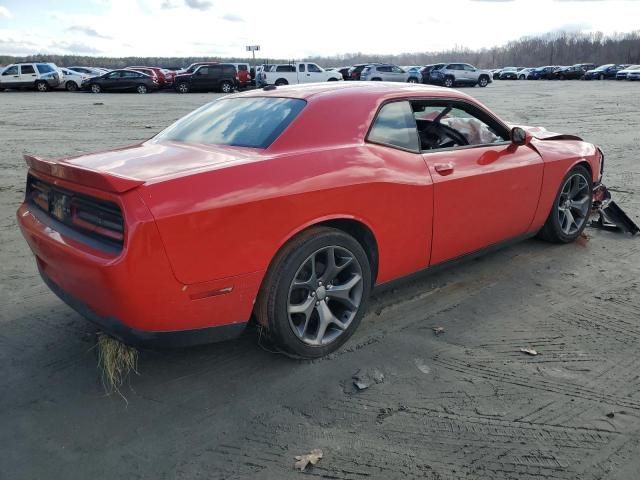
(239, 122)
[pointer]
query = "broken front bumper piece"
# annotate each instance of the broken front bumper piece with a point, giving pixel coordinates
(606, 214)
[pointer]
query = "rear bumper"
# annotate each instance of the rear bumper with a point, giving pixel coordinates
(133, 292)
(141, 338)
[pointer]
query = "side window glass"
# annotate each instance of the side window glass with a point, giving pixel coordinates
(395, 125)
(302, 67)
(456, 128)
(11, 71)
(203, 71)
(314, 68)
(27, 69)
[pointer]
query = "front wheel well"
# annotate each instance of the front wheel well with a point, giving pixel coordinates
(586, 165)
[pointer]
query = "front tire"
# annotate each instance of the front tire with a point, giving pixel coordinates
(71, 86)
(281, 82)
(601, 77)
(226, 87)
(95, 88)
(315, 292)
(182, 87)
(412, 80)
(571, 208)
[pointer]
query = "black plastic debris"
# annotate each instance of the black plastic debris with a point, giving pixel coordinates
(609, 216)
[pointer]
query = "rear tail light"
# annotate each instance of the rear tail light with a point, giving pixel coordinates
(91, 216)
(102, 220)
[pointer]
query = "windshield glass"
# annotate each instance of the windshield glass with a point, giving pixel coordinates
(240, 122)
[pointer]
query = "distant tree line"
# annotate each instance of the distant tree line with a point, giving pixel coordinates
(559, 48)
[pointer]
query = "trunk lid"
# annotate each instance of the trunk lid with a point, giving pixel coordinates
(126, 168)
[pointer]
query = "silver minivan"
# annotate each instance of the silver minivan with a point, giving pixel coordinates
(386, 73)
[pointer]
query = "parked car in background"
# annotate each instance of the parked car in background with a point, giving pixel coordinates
(123, 80)
(604, 72)
(386, 73)
(623, 74)
(495, 74)
(244, 75)
(344, 71)
(263, 205)
(301, 72)
(218, 77)
(508, 73)
(426, 72)
(574, 72)
(93, 71)
(354, 72)
(522, 74)
(72, 80)
(414, 73)
(165, 77)
(39, 76)
(452, 74)
(633, 75)
(542, 73)
(150, 72)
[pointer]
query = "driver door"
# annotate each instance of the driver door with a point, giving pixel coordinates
(485, 192)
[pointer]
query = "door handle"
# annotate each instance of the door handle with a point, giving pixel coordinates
(443, 168)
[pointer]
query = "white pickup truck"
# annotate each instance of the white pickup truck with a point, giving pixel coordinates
(290, 74)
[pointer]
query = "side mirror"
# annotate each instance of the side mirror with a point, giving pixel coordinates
(519, 136)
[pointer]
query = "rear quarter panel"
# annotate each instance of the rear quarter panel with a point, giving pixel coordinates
(233, 220)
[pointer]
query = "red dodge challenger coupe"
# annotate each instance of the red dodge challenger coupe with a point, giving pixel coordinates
(290, 204)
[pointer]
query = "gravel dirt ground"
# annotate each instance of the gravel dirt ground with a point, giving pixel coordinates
(463, 404)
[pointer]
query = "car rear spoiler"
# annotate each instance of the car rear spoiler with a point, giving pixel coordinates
(83, 176)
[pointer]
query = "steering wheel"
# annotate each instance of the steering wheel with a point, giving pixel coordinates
(437, 135)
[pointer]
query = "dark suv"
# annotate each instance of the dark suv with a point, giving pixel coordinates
(219, 77)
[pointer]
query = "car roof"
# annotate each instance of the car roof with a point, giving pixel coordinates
(354, 90)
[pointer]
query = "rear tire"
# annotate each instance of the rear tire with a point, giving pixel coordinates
(315, 292)
(226, 87)
(571, 208)
(601, 77)
(142, 89)
(281, 82)
(412, 80)
(71, 86)
(449, 82)
(42, 86)
(182, 87)
(483, 81)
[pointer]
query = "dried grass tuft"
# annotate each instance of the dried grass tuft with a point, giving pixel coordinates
(116, 361)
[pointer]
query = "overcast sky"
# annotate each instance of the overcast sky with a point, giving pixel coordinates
(292, 29)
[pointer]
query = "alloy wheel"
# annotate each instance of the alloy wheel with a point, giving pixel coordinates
(42, 87)
(95, 88)
(183, 88)
(142, 89)
(226, 88)
(325, 295)
(573, 204)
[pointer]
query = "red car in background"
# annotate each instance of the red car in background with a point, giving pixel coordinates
(165, 77)
(267, 204)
